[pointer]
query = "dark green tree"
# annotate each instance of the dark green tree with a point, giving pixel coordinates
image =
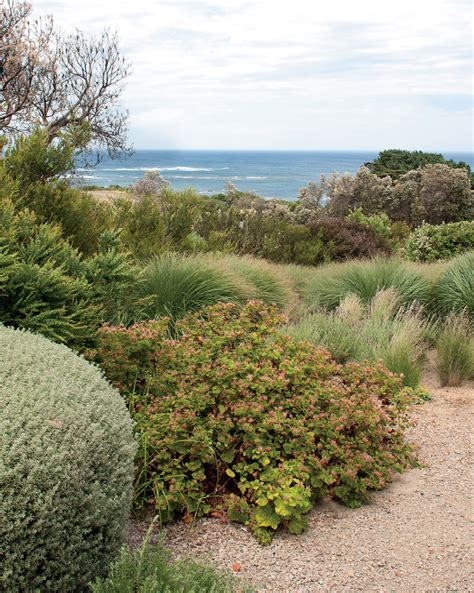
(396, 162)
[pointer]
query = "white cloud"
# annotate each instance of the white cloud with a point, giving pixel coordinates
(289, 74)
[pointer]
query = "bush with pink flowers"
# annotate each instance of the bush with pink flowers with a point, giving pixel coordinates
(237, 419)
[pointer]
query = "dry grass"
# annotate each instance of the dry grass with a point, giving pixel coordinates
(108, 195)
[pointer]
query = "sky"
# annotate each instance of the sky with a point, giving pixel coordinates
(290, 75)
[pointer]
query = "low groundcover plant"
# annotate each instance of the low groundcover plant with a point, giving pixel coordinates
(150, 569)
(234, 417)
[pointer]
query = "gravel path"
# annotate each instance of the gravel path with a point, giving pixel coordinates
(414, 537)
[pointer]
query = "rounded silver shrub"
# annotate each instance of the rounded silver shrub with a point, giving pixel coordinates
(66, 467)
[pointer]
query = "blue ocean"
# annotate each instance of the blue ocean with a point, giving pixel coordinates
(271, 174)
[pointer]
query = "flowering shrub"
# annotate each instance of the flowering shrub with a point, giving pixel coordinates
(432, 242)
(150, 184)
(235, 418)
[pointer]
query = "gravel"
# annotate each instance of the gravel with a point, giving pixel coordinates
(414, 537)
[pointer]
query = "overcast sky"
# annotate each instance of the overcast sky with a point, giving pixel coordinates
(293, 74)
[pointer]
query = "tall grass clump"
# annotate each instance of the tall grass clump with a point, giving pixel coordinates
(328, 286)
(268, 288)
(150, 570)
(337, 331)
(455, 288)
(172, 285)
(381, 330)
(455, 350)
(399, 346)
(262, 280)
(395, 335)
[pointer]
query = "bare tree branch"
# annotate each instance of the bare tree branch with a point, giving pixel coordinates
(61, 81)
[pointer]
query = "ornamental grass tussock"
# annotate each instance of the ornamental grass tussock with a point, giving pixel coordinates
(455, 350)
(381, 330)
(66, 467)
(455, 288)
(234, 417)
(329, 286)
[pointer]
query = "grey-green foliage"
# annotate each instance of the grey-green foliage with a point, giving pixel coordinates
(66, 467)
(149, 570)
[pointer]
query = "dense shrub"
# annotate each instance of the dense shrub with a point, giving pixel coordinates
(394, 233)
(432, 242)
(232, 414)
(141, 225)
(35, 170)
(328, 286)
(379, 222)
(455, 287)
(364, 190)
(348, 239)
(395, 163)
(41, 283)
(433, 194)
(81, 218)
(292, 243)
(112, 274)
(152, 224)
(378, 331)
(66, 467)
(455, 350)
(279, 239)
(150, 570)
(264, 232)
(274, 231)
(34, 160)
(47, 287)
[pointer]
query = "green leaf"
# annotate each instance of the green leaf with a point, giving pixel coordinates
(282, 508)
(297, 525)
(194, 465)
(228, 456)
(266, 517)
